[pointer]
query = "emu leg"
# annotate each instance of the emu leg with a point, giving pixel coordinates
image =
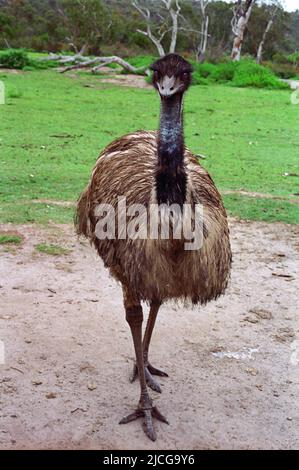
(145, 409)
(149, 369)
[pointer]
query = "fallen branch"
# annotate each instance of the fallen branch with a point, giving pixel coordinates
(79, 61)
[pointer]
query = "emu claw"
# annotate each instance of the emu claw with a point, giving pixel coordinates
(149, 371)
(147, 424)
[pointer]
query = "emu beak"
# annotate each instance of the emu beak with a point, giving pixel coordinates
(166, 86)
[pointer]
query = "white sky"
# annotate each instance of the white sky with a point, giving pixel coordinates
(291, 5)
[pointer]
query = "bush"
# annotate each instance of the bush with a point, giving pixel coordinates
(224, 72)
(205, 70)
(244, 73)
(283, 70)
(14, 59)
(20, 59)
(294, 58)
(197, 79)
(280, 58)
(141, 60)
(249, 73)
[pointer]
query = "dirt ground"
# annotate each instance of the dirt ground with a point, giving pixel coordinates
(233, 365)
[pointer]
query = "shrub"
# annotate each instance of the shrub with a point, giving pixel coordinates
(19, 59)
(283, 70)
(141, 60)
(15, 93)
(14, 58)
(197, 79)
(249, 73)
(205, 70)
(280, 58)
(224, 72)
(294, 58)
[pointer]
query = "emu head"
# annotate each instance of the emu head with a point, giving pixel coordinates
(172, 75)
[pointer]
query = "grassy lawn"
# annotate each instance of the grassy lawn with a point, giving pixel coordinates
(53, 127)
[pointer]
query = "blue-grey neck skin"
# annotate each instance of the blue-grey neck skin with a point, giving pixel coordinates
(171, 139)
(171, 179)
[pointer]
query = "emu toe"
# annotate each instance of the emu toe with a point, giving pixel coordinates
(147, 423)
(149, 371)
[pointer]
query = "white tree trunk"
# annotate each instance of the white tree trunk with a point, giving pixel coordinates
(239, 24)
(202, 46)
(261, 44)
(154, 40)
(201, 53)
(145, 12)
(173, 9)
(174, 30)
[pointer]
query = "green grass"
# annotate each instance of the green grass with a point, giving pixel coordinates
(20, 212)
(271, 210)
(54, 127)
(10, 240)
(53, 250)
(246, 73)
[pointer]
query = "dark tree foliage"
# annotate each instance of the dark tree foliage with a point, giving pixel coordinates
(105, 27)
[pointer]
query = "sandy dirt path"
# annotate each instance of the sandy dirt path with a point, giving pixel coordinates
(233, 365)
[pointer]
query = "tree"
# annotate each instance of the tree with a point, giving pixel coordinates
(167, 16)
(241, 14)
(272, 15)
(202, 46)
(87, 23)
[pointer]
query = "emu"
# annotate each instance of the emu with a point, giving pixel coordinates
(156, 168)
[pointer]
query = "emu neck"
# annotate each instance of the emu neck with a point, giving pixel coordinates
(171, 174)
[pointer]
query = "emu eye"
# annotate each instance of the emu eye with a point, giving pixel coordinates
(156, 75)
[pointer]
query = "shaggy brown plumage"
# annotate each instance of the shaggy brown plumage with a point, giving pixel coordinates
(153, 269)
(151, 168)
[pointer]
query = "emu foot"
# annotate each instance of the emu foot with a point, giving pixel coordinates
(147, 424)
(149, 371)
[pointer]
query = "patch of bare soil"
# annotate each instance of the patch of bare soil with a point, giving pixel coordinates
(134, 81)
(54, 202)
(233, 365)
(258, 195)
(12, 71)
(113, 76)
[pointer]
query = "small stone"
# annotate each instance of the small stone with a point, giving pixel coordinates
(51, 395)
(289, 418)
(261, 313)
(28, 341)
(251, 319)
(91, 386)
(36, 382)
(251, 371)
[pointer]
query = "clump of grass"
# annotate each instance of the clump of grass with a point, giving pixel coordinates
(10, 240)
(267, 210)
(245, 73)
(248, 73)
(53, 250)
(24, 213)
(20, 59)
(14, 93)
(14, 58)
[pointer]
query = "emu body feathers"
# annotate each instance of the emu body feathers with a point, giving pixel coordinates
(156, 270)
